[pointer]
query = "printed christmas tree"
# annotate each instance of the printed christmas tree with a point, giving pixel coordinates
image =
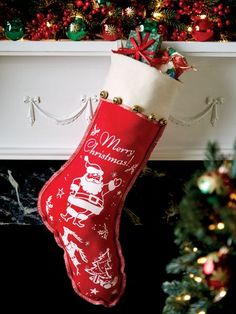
(100, 271)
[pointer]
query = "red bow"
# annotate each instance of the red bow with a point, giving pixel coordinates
(139, 48)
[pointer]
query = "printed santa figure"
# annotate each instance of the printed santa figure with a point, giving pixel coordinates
(87, 194)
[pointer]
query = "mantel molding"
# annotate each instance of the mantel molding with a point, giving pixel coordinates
(63, 153)
(103, 48)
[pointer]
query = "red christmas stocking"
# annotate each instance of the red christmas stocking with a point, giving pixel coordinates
(81, 204)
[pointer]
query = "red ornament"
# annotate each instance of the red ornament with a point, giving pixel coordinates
(216, 269)
(208, 267)
(110, 30)
(79, 3)
(202, 29)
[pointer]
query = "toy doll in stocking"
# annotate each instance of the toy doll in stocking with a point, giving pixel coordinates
(82, 203)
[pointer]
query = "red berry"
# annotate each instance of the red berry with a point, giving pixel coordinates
(46, 35)
(227, 10)
(37, 36)
(103, 11)
(55, 27)
(49, 16)
(220, 6)
(40, 16)
(79, 3)
(227, 22)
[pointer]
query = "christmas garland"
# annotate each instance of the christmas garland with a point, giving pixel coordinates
(177, 20)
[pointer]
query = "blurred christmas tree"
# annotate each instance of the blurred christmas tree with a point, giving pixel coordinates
(206, 236)
(180, 20)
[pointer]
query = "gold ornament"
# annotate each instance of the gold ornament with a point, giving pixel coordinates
(232, 196)
(137, 108)
(163, 122)
(232, 200)
(110, 29)
(157, 16)
(48, 3)
(158, 13)
(117, 100)
(152, 117)
(130, 12)
(159, 4)
(104, 94)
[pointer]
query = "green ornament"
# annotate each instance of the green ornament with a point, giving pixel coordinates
(77, 29)
(14, 29)
(149, 25)
(103, 2)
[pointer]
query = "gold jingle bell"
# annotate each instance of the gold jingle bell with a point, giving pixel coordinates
(152, 117)
(117, 100)
(162, 122)
(137, 108)
(104, 94)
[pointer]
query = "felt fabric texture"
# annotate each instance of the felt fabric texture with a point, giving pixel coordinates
(140, 84)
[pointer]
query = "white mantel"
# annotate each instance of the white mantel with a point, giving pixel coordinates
(60, 72)
(103, 48)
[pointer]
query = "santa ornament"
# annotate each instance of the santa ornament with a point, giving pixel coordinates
(82, 203)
